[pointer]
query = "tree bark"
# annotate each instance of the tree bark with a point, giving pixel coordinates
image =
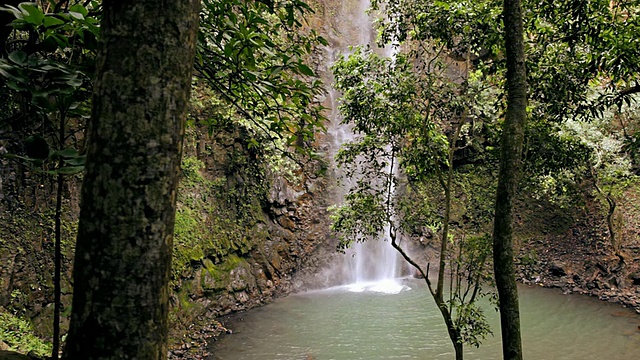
(512, 140)
(125, 235)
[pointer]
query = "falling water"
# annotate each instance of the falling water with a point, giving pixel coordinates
(372, 265)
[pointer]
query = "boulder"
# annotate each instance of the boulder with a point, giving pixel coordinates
(557, 269)
(620, 282)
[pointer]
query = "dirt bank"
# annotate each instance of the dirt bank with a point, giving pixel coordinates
(573, 252)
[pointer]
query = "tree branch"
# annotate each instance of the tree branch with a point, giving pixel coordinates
(628, 91)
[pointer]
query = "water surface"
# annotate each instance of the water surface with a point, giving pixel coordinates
(348, 324)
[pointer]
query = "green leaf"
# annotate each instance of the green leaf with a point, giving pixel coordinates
(49, 44)
(74, 81)
(322, 41)
(68, 153)
(305, 69)
(50, 21)
(76, 15)
(35, 16)
(4, 69)
(228, 49)
(62, 40)
(15, 86)
(76, 161)
(12, 9)
(78, 8)
(70, 170)
(18, 57)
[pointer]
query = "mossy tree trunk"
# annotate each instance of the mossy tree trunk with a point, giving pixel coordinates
(125, 234)
(512, 140)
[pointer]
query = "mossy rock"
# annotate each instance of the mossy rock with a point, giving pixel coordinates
(233, 274)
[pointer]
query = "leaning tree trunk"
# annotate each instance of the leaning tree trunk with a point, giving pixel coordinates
(123, 253)
(512, 140)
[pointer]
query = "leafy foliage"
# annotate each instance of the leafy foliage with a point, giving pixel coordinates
(400, 117)
(57, 58)
(571, 43)
(51, 68)
(381, 100)
(610, 162)
(253, 57)
(576, 42)
(254, 54)
(471, 322)
(50, 71)
(17, 333)
(457, 27)
(580, 62)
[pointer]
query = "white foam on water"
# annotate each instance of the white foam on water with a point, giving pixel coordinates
(358, 287)
(387, 286)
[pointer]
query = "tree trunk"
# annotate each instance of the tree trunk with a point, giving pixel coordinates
(454, 334)
(611, 211)
(57, 257)
(512, 140)
(125, 235)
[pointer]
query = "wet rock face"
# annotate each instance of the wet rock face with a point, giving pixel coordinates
(286, 243)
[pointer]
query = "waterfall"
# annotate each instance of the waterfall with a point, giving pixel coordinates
(373, 265)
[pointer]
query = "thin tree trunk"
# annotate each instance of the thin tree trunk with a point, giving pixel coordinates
(125, 234)
(610, 212)
(446, 187)
(57, 270)
(58, 246)
(612, 233)
(454, 334)
(512, 140)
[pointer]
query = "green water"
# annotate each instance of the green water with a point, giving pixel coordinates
(343, 325)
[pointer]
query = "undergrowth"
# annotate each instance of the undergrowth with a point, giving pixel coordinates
(19, 336)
